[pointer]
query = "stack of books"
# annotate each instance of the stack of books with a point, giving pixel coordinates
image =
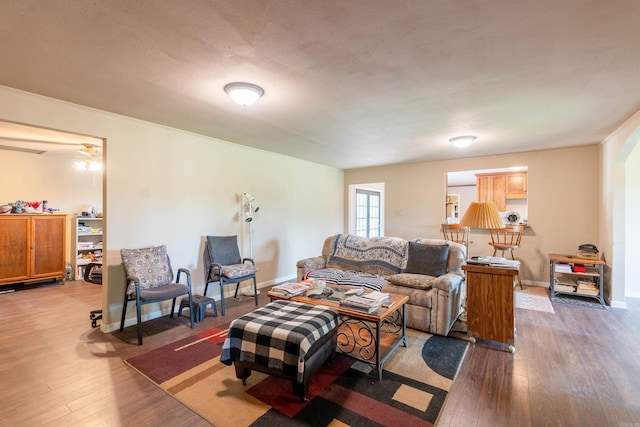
(562, 267)
(366, 303)
(288, 290)
(587, 287)
(565, 284)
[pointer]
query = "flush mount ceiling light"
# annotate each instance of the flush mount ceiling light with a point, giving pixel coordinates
(463, 141)
(244, 93)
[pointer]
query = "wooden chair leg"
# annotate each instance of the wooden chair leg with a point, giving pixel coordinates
(520, 281)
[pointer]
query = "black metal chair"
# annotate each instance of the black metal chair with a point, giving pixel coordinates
(93, 274)
(223, 264)
(149, 280)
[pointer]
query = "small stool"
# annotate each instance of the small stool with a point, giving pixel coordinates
(200, 304)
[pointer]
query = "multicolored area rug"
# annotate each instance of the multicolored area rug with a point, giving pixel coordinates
(415, 384)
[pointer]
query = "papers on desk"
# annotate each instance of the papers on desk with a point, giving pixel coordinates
(492, 261)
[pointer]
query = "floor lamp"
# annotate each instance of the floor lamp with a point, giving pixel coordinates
(249, 210)
(483, 215)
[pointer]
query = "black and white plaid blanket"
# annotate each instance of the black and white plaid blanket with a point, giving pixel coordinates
(278, 335)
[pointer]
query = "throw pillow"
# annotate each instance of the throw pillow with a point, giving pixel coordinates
(149, 267)
(410, 280)
(427, 259)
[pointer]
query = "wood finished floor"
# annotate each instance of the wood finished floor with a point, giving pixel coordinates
(577, 367)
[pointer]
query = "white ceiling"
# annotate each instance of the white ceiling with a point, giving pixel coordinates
(347, 84)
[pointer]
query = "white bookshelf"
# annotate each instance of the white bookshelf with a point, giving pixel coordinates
(87, 244)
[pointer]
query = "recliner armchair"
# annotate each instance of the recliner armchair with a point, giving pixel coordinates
(223, 264)
(150, 279)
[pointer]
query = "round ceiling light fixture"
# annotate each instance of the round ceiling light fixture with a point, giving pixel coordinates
(463, 141)
(244, 93)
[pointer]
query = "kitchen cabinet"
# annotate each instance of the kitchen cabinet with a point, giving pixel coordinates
(516, 185)
(500, 187)
(491, 188)
(88, 244)
(32, 247)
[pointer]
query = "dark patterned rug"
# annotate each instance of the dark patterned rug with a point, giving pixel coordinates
(579, 301)
(415, 384)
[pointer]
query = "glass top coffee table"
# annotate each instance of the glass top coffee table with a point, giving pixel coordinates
(368, 337)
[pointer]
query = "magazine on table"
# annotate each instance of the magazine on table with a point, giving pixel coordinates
(289, 289)
(377, 296)
(493, 261)
(360, 303)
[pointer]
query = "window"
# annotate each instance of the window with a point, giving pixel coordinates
(367, 213)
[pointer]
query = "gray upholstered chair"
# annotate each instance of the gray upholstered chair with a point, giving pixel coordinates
(150, 279)
(223, 264)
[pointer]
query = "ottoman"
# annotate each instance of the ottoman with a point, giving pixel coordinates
(287, 339)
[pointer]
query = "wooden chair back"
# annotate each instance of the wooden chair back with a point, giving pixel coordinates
(506, 239)
(456, 233)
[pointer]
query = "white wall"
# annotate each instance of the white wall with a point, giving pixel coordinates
(167, 186)
(614, 216)
(32, 177)
(632, 244)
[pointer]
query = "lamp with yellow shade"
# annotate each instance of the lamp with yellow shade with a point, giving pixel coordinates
(482, 215)
(485, 215)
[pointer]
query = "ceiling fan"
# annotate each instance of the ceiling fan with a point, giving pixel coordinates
(91, 158)
(89, 150)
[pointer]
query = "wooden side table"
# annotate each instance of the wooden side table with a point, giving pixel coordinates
(490, 303)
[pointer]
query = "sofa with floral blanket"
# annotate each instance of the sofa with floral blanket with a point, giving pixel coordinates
(428, 271)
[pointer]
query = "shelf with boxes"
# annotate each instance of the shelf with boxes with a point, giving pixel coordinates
(88, 244)
(576, 276)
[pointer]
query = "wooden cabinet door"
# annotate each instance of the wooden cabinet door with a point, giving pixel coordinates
(516, 185)
(15, 238)
(48, 240)
(498, 188)
(492, 188)
(483, 188)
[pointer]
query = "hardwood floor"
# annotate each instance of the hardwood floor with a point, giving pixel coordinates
(577, 367)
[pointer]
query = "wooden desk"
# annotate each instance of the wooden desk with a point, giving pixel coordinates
(490, 303)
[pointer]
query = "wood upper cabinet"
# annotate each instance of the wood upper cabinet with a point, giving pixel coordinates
(498, 187)
(491, 188)
(32, 247)
(516, 185)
